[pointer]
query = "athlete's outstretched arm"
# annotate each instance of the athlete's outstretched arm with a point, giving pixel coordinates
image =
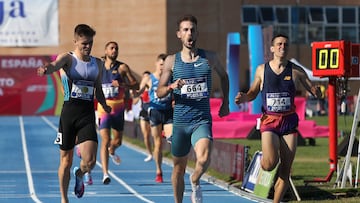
(251, 94)
(62, 61)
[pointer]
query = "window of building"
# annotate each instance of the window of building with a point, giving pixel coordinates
(282, 14)
(315, 33)
(298, 15)
(332, 33)
(332, 15)
(316, 15)
(298, 34)
(348, 33)
(249, 15)
(306, 24)
(348, 15)
(267, 14)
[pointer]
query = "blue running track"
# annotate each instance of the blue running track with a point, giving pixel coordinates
(29, 162)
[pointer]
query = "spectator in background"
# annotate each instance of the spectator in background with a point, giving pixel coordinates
(322, 101)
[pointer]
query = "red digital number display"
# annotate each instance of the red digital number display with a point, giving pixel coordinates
(330, 58)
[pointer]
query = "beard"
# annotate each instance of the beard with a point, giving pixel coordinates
(112, 56)
(86, 52)
(190, 44)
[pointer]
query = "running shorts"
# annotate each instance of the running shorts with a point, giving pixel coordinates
(158, 117)
(279, 124)
(76, 119)
(186, 136)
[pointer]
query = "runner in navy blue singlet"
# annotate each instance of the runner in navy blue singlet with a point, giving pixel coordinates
(278, 81)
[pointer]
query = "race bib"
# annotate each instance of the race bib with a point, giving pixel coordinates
(195, 88)
(82, 89)
(110, 91)
(278, 102)
(58, 139)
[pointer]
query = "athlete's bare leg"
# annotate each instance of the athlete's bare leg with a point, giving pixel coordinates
(177, 178)
(156, 133)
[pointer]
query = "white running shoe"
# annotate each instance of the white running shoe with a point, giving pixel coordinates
(115, 159)
(148, 158)
(106, 179)
(196, 195)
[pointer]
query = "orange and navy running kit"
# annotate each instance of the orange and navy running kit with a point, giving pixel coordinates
(114, 98)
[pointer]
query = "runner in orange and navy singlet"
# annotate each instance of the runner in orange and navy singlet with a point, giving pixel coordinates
(116, 80)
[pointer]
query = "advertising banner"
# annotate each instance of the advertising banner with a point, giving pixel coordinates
(29, 23)
(252, 173)
(22, 92)
(257, 180)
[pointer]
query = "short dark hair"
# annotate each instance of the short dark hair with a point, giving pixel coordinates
(84, 30)
(146, 72)
(278, 35)
(162, 56)
(187, 17)
(111, 42)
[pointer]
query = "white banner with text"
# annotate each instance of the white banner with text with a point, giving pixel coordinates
(29, 23)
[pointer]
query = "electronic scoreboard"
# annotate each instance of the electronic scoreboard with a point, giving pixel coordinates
(335, 58)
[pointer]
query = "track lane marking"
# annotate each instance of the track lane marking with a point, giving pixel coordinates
(27, 163)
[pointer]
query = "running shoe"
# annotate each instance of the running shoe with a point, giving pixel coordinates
(106, 179)
(169, 139)
(77, 150)
(148, 158)
(115, 159)
(79, 188)
(159, 178)
(88, 179)
(196, 195)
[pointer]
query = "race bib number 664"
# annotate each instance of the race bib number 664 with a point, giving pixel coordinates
(195, 88)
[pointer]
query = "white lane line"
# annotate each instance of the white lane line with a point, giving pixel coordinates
(27, 163)
(123, 183)
(119, 180)
(47, 121)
